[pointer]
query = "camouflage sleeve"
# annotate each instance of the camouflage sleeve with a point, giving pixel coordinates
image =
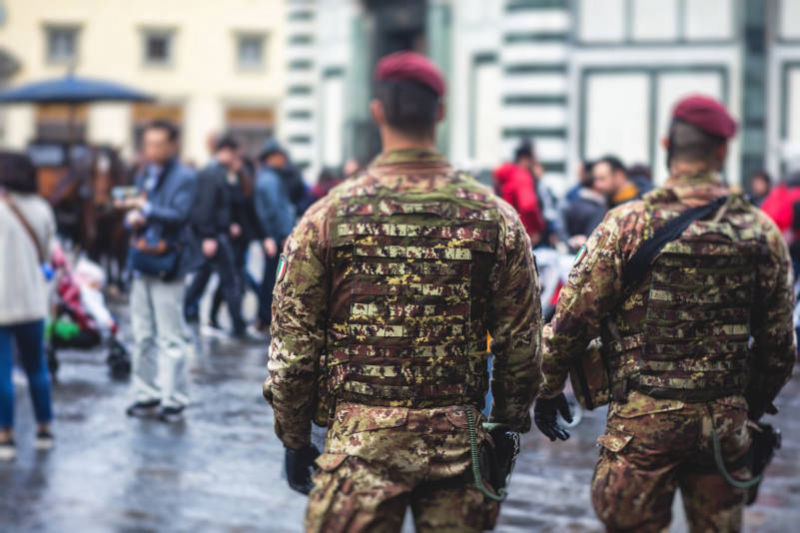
(775, 346)
(515, 326)
(298, 331)
(586, 299)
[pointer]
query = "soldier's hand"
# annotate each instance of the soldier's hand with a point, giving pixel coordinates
(545, 414)
(299, 467)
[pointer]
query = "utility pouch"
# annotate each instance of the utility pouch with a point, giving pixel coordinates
(766, 441)
(501, 459)
(589, 378)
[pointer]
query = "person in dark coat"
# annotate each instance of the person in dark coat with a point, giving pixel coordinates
(244, 225)
(583, 213)
(214, 226)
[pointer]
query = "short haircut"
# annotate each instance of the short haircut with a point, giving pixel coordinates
(761, 174)
(614, 162)
(690, 143)
(525, 149)
(17, 172)
(164, 125)
(411, 108)
(226, 142)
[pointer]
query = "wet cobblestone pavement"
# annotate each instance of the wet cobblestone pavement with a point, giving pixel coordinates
(220, 470)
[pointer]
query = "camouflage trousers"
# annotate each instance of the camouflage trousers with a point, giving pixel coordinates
(378, 461)
(653, 447)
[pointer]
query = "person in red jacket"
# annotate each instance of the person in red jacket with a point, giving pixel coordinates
(514, 184)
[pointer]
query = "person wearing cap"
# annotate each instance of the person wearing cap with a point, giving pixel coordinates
(697, 338)
(386, 291)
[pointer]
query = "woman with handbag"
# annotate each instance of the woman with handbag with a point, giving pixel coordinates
(27, 228)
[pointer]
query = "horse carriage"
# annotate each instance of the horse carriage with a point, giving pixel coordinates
(78, 180)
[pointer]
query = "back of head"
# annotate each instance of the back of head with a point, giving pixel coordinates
(409, 88)
(410, 108)
(690, 144)
(17, 173)
(523, 151)
(226, 142)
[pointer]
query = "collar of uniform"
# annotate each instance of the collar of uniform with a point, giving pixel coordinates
(408, 155)
(703, 177)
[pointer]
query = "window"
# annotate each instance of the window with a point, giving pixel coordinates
(61, 123)
(62, 44)
(251, 126)
(250, 51)
(158, 47)
(648, 21)
(143, 113)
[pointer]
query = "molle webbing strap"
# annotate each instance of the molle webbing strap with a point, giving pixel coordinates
(637, 267)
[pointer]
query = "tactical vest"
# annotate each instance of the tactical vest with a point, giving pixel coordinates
(693, 343)
(410, 288)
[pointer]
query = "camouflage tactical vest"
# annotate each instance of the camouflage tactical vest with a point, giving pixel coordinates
(409, 294)
(693, 343)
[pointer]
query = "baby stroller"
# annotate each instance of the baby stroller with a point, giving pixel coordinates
(81, 319)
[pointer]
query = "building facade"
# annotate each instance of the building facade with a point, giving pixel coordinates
(211, 66)
(581, 78)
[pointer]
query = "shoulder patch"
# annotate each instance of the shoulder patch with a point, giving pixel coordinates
(580, 255)
(282, 264)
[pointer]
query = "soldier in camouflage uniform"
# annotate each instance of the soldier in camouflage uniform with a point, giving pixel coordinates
(676, 345)
(387, 289)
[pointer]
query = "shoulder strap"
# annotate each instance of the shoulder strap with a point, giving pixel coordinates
(25, 224)
(637, 266)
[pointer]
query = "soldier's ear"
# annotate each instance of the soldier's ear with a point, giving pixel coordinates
(377, 112)
(440, 111)
(721, 152)
(665, 142)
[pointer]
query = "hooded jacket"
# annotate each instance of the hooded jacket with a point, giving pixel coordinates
(515, 185)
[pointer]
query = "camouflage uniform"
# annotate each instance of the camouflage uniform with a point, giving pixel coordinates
(395, 278)
(675, 345)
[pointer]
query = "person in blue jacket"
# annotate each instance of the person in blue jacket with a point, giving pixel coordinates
(276, 215)
(159, 220)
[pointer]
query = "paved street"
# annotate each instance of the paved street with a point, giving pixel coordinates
(221, 469)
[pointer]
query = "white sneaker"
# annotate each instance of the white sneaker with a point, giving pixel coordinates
(7, 451)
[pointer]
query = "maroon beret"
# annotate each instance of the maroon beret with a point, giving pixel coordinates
(706, 114)
(410, 66)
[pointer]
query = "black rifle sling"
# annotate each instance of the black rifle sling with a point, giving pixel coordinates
(637, 267)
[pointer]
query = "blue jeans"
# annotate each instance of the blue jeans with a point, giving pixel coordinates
(29, 337)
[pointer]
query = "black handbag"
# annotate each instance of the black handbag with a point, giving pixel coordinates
(158, 259)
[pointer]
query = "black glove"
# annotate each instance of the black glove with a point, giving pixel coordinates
(299, 467)
(544, 415)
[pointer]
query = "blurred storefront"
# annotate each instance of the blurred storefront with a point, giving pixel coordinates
(213, 66)
(582, 78)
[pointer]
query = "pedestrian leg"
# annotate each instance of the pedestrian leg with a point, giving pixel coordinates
(230, 282)
(6, 383)
(194, 292)
(172, 347)
(216, 303)
(30, 342)
(267, 286)
(144, 357)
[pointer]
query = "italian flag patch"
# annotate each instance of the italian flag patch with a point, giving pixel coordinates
(580, 255)
(282, 264)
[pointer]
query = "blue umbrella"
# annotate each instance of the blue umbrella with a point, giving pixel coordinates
(72, 90)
